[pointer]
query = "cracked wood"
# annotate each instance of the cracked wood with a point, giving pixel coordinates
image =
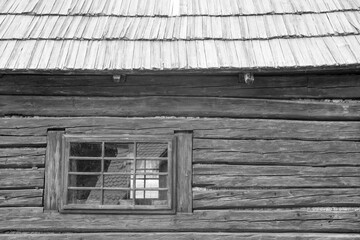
(30, 131)
(21, 178)
(21, 198)
(277, 152)
(238, 176)
(182, 236)
(254, 198)
(321, 220)
(177, 106)
(22, 157)
(280, 87)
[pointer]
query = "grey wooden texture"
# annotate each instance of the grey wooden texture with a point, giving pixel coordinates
(21, 198)
(29, 131)
(184, 172)
(151, 106)
(22, 157)
(182, 236)
(53, 170)
(237, 176)
(262, 198)
(277, 152)
(278, 87)
(301, 220)
(21, 178)
(275, 173)
(281, 135)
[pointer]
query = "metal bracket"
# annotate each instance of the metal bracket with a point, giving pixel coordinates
(119, 78)
(249, 78)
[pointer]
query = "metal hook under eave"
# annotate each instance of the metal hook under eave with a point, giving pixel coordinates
(119, 78)
(249, 78)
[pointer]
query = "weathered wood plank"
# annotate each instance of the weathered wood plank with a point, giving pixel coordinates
(313, 220)
(21, 198)
(182, 236)
(277, 158)
(184, 171)
(21, 178)
(247, 198)
(310, 86)
(269, 146)
(22, 157)
(334, 86)
(178, 106)
(53, 170)
(17, 130)
(333, 81)
(277, 152)
(242, 176)
(279, 129)
(23, 141)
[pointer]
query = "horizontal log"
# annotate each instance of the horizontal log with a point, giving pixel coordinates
(22, 157)
(310, 86)
(277, 152)
(233, 198)
(27, 131)
(279, 129)
(21, 178)
(23, 141)
(178, 106)
(182, 236)
(239, 176)
(243, 170)
(271, 146)
(278, 158)
(314, 220)
(333, 81)
(21, 198)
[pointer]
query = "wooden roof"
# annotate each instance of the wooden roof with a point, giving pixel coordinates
(129, 35)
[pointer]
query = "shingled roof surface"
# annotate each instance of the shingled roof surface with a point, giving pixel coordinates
(131, 35)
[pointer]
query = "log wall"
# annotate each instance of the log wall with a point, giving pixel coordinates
(276, 160)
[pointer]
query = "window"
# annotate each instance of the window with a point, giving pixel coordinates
(117, 174)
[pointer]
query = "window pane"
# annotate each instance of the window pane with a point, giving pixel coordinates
(151, 150)
(117, 181)
(76, 165)
(121, 150)
(151, 166)
(84, 196)
(147, 181)
(85, 149)
(157, 198)
(84, 181)
(122, 180)
(117, 197)
(118, 166)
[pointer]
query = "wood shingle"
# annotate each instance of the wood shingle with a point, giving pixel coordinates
(178, 34)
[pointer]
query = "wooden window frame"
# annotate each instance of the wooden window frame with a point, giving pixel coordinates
(180, 144)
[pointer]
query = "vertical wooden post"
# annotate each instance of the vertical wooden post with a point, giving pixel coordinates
(53, 170)
(184, 171)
